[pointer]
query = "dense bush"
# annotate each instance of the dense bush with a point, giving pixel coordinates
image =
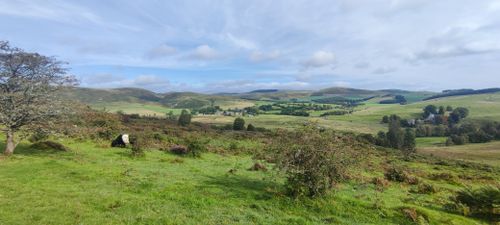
(239, 124)
(313, 160)
(482, 202)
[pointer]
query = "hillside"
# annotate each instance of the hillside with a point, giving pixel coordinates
(362, 94)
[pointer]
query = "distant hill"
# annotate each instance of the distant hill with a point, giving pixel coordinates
(90, 96)
(353, 94)
(459, 92)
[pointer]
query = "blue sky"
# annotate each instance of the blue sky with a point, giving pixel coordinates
(236, 46)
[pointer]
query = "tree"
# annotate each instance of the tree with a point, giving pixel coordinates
(239, 124)
(395, 134)
(430, 109)
(449, 108)
(458, 114)
(441, 110)
(170, 115)
(409, 143)
(184, 118)
(30, 84)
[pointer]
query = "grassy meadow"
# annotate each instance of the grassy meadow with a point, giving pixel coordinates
(95, 184)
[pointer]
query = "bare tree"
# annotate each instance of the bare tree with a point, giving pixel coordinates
(29, 91)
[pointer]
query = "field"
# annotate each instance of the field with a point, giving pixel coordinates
(99, 185)
(487, 153)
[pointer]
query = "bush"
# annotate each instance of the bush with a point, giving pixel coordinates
(137, 147)
(481, 202)
(424, 188)
(239, 124)
(400, 175)
(184, 118)
(312, 160)
(179, 150)
(250, 127)
(50, 145)
(258, 167)
(196, 147)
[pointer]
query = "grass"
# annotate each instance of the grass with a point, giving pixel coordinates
(148, 109)
(487, 153)
(96, 185)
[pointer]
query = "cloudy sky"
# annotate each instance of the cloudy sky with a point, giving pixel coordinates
(235, 46)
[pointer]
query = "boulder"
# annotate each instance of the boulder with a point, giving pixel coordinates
(121, 141)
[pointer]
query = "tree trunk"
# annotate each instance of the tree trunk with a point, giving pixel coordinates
(10, 143)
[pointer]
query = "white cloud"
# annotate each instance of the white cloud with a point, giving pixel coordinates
(320, 59)
(204, 52)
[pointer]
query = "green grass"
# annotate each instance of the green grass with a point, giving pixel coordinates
(95, 185)
(148, 109)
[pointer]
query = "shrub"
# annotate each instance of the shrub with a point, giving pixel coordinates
(250, 127)
(481, 202)
(196, 147)
(312, 160)
(380, 183)
(258, 167)
(179, 150)
(400, 175)
(138, 145)
(424, 188)
(239, 124)
(50, 145)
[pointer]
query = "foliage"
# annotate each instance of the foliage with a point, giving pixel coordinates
(30, 84)
(483, 202)
(430, 109)
(184, 118)
(398, 99)
(196, 146)
(179, 150)
(400, 175)
(138, 144)
(312, 160)
(239, 124)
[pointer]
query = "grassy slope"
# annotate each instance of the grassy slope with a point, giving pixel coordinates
(92, 185)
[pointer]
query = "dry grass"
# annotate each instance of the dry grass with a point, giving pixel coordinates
(488, 153)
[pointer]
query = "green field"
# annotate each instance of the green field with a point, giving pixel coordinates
(96, 185)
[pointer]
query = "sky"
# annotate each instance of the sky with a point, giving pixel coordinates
(237, 46)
